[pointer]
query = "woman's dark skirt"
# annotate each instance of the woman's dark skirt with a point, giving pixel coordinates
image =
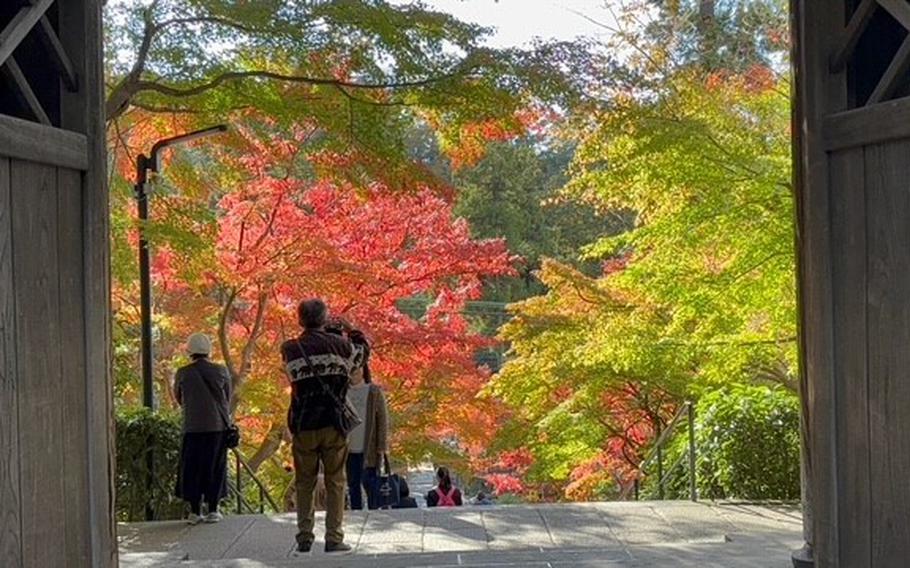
(202, 473)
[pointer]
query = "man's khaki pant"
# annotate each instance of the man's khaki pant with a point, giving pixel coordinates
(310, 448)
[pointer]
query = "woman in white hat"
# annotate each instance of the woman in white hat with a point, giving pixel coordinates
(203, 389)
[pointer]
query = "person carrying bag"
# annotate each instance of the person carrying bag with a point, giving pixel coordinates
(318, 364)
(368, 443)
(203, 390)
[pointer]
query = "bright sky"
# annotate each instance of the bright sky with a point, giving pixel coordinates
(519, 21)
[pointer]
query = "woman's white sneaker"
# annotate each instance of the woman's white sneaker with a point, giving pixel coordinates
(215, 517)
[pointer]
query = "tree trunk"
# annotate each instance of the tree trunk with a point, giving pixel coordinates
(706, 12)
(268, 447)
(707, 29)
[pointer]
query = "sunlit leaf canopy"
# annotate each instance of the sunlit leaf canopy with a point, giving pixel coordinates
(360, 70)
(693, 142)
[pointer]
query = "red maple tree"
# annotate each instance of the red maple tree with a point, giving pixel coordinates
(280, 238)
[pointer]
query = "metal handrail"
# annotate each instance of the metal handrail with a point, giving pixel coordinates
(656, 453)
(264, 496)
(664, 435)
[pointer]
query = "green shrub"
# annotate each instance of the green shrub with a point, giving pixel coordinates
(139, 430)
(747, 447)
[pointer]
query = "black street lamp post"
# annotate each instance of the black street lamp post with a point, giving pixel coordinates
(145, 164)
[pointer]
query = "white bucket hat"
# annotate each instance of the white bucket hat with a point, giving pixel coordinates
(199, 344)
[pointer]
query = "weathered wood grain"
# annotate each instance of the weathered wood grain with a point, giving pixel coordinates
(41, 437)
(848, 243)
(72, 355)
(819, 93)
(10, 522)
(39, 143)
(888, 201)
(868, 125)
(83, 112)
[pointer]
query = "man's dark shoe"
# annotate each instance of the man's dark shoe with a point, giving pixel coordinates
(304, 547)
(337, 547)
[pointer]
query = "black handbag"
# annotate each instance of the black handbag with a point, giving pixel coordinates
(389, 486)
(346, 417)
(231, 431)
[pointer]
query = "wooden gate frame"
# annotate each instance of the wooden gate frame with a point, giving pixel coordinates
(825, 121)
(77, 142)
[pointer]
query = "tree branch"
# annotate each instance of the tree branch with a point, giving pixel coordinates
(231, 76)
(270, 444)
(246, 354)
(223, 337)
(210, 20)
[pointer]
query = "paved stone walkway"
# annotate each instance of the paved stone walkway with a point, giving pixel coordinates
(620, 535)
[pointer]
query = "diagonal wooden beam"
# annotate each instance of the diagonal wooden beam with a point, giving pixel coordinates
(899, 10)
(852, 34)
(61, 59)
(896, 72)
(19, 27)
(14, 72)
(58, 54)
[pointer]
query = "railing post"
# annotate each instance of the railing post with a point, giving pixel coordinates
(660, 466)
(261, 500)
(150, 479)
(636, 486)
(693, 485)
(239, 486)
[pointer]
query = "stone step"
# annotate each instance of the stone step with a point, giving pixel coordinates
(616, 534)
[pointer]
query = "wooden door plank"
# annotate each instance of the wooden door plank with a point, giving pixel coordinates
(10, 506)
(83, 112)
(819, 93)
(34, 201)
(879, 123)
(888, 208)
(39, 143)
(72, 356)
(848, 245)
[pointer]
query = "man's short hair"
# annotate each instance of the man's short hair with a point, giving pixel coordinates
(312, 314)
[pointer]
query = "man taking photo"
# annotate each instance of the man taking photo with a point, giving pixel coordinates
(319, 363)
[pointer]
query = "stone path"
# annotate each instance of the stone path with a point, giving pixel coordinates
(668, 533)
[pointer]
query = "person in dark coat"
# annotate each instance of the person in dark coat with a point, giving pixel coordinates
(203, 390)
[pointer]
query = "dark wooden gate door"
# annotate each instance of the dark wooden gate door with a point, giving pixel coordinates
(853, 116)
(55, 401)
